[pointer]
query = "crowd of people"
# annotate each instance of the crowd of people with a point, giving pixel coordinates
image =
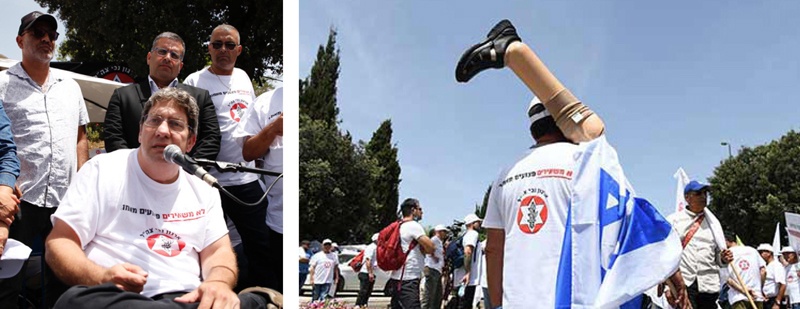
(129, 229)
(525, 261)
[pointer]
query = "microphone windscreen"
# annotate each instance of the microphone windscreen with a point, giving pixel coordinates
(171, 152)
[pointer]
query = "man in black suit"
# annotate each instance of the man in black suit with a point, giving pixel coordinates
(125, 107)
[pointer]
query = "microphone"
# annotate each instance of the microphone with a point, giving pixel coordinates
(173, 154)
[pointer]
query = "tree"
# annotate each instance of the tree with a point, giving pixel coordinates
(336, 175)
(385, 187)
(318, 90)
(123, 31)
(750, 192)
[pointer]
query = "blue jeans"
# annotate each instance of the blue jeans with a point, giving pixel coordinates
(795, 306)
(251, 223)
(320, 291)
(303, 277)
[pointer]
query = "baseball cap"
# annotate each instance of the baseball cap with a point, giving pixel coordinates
(787, 249)
(327, 241)
(695, 186)
(375, 237)
(14, 255)
(471, 218)
(28, 20)
(764, 247)
(536, 110)
(439, 227)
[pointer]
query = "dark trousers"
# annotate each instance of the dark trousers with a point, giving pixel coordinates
(432, 297)
(31, 228)
(251, 223)
(364, 289)
(275, 261)
(405, 294)
(109, 296)
(465, 302)
(701, 300)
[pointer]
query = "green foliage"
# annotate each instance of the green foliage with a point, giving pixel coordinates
(751, 191)
(318, 90)
(123, 31)
(385, 187)
(94, 132)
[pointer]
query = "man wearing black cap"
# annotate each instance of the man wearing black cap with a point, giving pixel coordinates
(47, 114)
(702, 256)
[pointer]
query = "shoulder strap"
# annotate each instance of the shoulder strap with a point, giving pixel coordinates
(693, 229)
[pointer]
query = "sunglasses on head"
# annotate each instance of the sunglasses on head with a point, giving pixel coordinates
(228, 45)
(39, 33)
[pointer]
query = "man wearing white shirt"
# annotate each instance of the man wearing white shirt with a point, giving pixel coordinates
(752, 270)
(432, 295)
(469, 275)
(261, 133)
(323, 271)
(232, 93)
(775, 282)
(404, 282)
(792, 277)
(366, 276)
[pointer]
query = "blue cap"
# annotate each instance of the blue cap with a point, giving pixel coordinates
(696, 186)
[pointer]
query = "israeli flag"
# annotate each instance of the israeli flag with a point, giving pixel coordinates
(617, 245)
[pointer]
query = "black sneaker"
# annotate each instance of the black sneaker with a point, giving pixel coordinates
(487, 54)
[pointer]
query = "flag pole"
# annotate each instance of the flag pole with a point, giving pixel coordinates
(741, 283)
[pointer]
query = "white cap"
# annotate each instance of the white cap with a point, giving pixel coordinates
(335, 245)
(764, 247)
(439, 227)
(540, 113)
(15, 254)
(787, 249)
(327, 241)
(471, 218)
(375, 237)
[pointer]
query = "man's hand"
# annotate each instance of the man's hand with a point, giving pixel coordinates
(677, 295)
(3, 237)
(8, 205)
(465, 279)
(727, 256)
(211, 294)
(371, 277)
(127, 277)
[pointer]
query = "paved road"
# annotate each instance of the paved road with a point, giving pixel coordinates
(376, 301)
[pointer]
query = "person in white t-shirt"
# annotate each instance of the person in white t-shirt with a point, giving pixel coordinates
(232, 93)
(366, 275)
(434, 261)
(775, 282)
(133, 226)
(792, 277)
(526, 214)
(304, 257)
(404, 282)
(323, 271)
(751, 268)
(469, 274)
(483, 282)
(261, 133)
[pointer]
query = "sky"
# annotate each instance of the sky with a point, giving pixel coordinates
(672, 81)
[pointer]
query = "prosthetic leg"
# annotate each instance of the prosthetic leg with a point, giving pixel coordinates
(502, 48)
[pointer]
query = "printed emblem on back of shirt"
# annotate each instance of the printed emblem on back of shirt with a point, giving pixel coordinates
(532, 213)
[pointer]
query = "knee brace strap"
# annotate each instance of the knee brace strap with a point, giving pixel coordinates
(570, 114)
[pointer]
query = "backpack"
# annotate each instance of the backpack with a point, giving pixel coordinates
(389, 252)
(455, 252)
(357, 262)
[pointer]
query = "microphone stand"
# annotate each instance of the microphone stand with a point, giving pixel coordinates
(228, 167)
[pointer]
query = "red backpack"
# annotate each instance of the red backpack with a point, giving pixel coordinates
(389, 253)
(357, 262)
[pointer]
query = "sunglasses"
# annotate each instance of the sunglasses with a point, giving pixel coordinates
(163, 52)
(39, 33)
(228, 45)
